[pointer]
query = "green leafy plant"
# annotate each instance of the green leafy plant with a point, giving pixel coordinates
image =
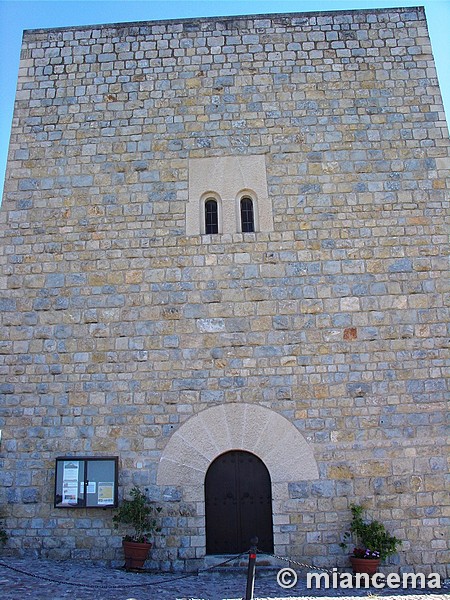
(138, 513)
(370, 538)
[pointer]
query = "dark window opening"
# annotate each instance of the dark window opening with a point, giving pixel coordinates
(247, 216)
(211, 217)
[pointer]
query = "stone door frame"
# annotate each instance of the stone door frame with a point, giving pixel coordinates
(253, 428)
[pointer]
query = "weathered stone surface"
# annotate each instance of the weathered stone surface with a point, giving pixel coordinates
(124, 329)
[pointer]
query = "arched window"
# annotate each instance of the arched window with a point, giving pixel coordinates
(211, 216)
(247, 215)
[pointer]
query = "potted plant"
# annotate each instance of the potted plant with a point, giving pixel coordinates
(372, 543)
(138, 514)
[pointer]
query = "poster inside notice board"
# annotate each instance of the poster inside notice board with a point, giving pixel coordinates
(86, 482)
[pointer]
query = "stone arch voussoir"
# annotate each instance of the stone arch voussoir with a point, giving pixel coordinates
(264, 432)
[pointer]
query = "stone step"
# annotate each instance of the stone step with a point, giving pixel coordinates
(222, 561)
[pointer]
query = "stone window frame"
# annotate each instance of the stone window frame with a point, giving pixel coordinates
(210, 195)
(251, 195)
(227, 179)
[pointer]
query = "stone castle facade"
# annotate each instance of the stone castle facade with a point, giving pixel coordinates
(313, 337)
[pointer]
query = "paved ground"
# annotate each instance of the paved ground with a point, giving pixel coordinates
(39, 579)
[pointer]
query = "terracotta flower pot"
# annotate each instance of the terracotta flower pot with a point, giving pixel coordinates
(365, 565)
(136, 554)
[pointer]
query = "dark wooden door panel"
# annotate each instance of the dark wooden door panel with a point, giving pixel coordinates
(238, 504)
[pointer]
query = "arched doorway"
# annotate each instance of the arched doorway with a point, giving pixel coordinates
(238, 504)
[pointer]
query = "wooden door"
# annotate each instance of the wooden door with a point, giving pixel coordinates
(238, 499)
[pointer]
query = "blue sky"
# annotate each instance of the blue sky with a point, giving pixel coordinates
(15, 16)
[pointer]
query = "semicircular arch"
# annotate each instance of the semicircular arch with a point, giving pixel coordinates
(262, 431)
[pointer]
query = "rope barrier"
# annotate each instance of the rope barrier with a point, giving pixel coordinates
(124, 585)
(163, 582)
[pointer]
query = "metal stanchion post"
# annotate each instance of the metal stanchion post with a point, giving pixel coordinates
(251, 569)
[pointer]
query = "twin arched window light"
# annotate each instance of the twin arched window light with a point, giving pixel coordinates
(246, 213)
(211, 216)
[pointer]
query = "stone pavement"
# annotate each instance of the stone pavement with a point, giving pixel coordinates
(41, 579)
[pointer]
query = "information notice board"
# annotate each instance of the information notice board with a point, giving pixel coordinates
(86, 482)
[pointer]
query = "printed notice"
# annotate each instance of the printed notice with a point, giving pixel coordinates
(105, 493)
(70, 482)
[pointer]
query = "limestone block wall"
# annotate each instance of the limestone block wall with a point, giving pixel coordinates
(119, 327)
